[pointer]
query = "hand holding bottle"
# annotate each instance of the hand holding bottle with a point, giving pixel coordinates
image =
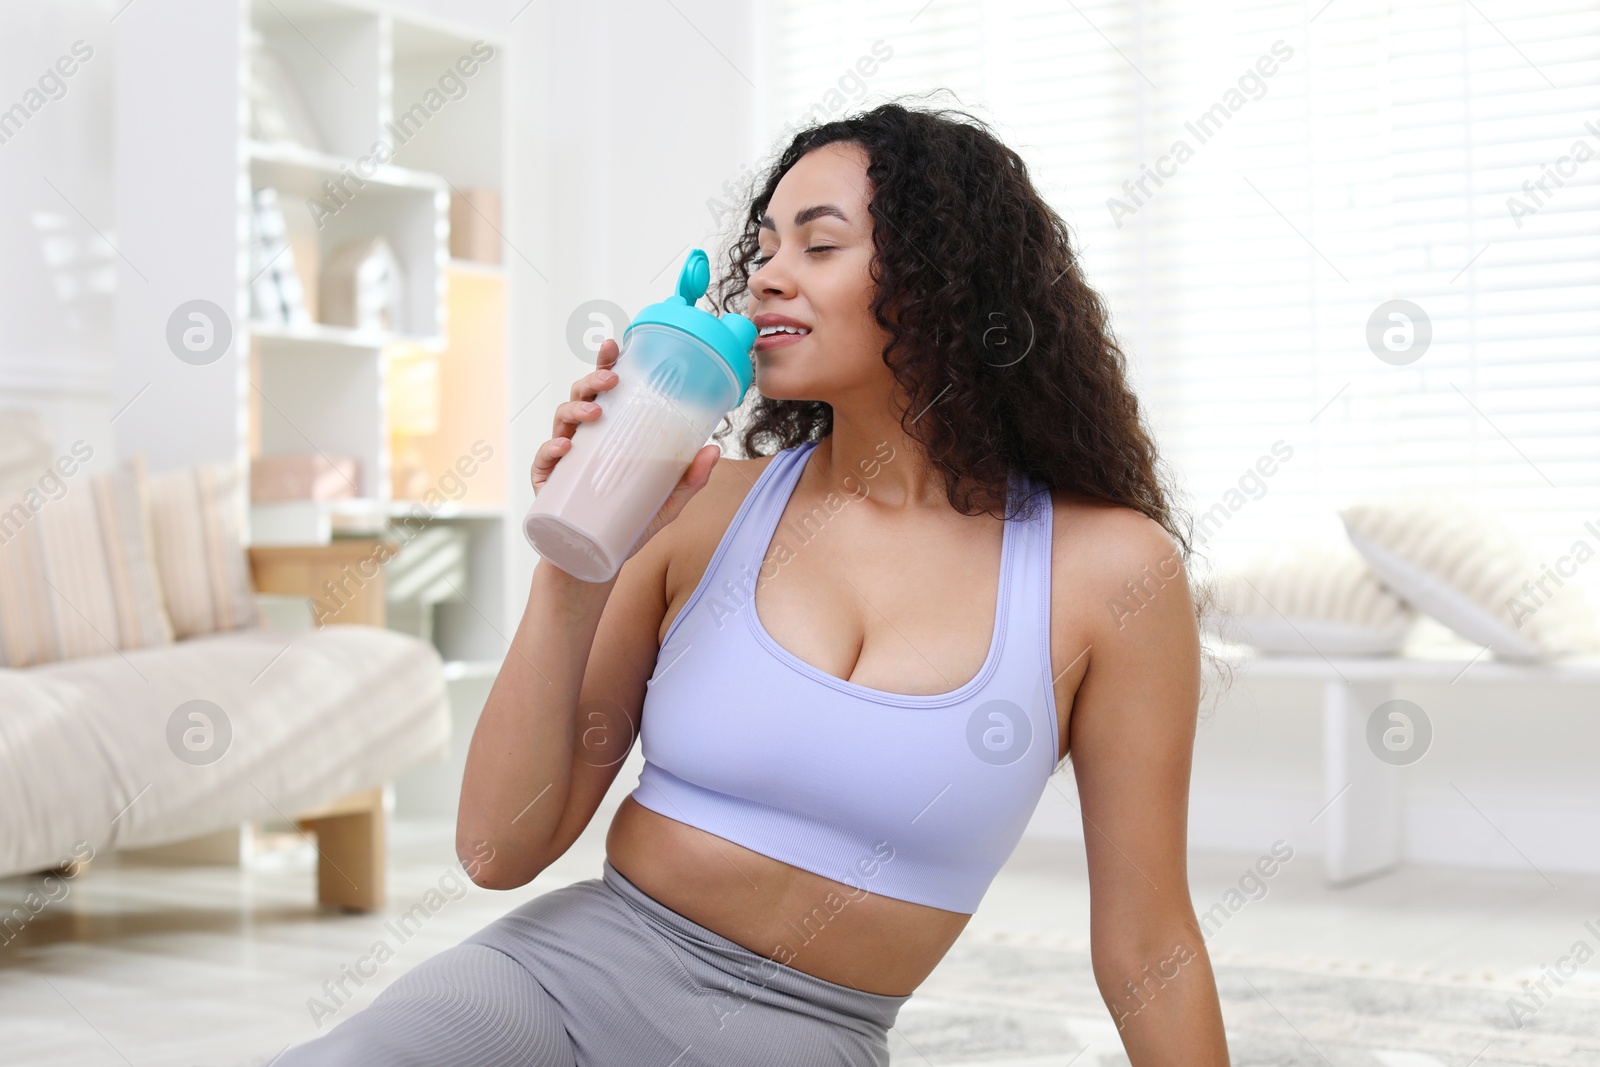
(602, 492)
(581, 408)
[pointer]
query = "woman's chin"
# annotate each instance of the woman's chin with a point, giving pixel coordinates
(779, 378)
(778, 386)
(772, 393)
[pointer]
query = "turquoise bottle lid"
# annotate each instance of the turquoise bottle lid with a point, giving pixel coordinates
(729, 336)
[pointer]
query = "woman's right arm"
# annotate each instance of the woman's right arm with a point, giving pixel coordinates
(565, 707)
(521, 762)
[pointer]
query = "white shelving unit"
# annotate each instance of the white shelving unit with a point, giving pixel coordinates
(407, 111)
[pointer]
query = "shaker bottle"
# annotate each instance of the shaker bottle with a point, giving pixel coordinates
(679, 371)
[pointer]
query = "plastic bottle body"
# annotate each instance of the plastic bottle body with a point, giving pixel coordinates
(672, 390)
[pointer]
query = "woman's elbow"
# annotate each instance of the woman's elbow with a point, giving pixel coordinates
(491, 868)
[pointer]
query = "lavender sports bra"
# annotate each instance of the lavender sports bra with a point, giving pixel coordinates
(920, 798)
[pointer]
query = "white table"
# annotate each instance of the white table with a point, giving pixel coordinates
(1361, 791)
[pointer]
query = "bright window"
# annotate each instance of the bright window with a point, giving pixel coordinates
(1334, 157)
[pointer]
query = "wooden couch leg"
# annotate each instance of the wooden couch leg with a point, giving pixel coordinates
(351, 853)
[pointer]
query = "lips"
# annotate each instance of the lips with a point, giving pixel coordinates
(772, 318)
(779, 340)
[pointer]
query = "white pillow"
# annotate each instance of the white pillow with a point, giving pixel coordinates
(1306, 598)
(1473, 573)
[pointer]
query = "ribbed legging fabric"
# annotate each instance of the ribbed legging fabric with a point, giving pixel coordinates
(598, 974)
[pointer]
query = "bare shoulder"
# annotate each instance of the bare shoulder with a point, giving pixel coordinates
(1112, 567)
(1109, 555)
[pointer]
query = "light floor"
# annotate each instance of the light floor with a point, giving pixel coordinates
(150, 965)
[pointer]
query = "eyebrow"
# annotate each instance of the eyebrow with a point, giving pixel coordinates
(816, 211)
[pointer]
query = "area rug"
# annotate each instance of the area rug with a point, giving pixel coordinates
(1000, 1004)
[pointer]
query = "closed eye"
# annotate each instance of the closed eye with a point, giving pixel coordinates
(760, 261)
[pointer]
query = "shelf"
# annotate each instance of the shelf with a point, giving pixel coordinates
(364, 506)
(311, 522)
(358, 80)
(300, 171)
(329, 202)
(449, 511)
(319, 333)
(296, 522)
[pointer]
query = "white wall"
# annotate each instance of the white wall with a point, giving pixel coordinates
(176, 204)
(57, 276)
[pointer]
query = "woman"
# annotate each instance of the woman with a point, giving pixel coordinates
(852, 677)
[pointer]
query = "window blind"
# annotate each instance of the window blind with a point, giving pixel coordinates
(1251, 186)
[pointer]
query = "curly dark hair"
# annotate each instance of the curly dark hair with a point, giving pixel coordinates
(971, 266)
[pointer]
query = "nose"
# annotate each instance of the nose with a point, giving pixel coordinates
(766, 281)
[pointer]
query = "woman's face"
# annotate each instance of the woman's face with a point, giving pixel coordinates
(814, 270)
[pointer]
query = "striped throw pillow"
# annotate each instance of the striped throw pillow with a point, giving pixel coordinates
(77, 577)
(1307, 598)
(200, 555)
(1467, 567)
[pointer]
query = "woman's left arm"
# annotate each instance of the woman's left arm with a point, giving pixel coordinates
(1132, 735)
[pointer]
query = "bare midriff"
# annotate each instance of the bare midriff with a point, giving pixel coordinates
(835, 931)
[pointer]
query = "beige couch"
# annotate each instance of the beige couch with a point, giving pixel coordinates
(319, 721)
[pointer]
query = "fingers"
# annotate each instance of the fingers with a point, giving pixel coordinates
(569, 414)
(544, 459)
(699, 472)
(594, 383)
(580, 408)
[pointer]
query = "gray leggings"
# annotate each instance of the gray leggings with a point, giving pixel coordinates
(598, 974)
